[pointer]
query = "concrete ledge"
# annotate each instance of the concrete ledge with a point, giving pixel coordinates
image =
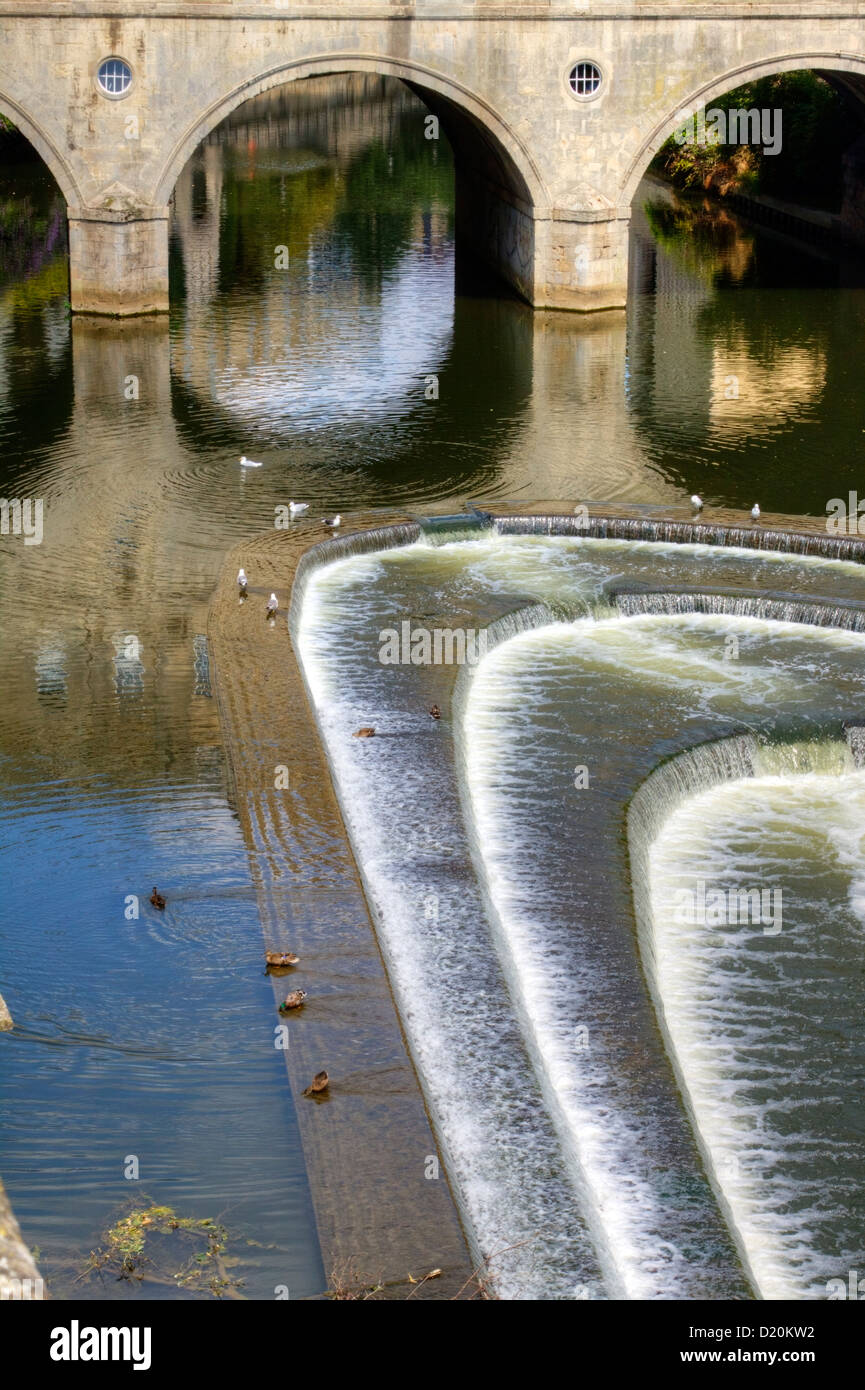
(379, 1218)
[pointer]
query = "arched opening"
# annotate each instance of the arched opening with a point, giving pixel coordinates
(747, 269)
(846, 74)
(499, 191)
(34, 292)
(315, 247)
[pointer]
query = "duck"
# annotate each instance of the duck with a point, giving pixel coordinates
(292, 1001)
(333, 521)
(279, 959)
(157, 899)
(697, 503)
(755, 512)
(272, 605)
(297, 508)
(435, 712)
(317, 1085)
(248, 463)
(242, 581)
(365, 732)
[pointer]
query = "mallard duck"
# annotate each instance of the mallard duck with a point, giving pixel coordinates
(366, 732)
(277, 959)
(317, 1085)
(435, 712)
(292, 1001)
(157, 899)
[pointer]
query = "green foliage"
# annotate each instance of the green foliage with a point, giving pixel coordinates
(817, 127)
(131, 1249)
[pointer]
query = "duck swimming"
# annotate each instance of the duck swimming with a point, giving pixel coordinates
(277, 959)
(317, 1085)
(157, 899)
(292, 1001)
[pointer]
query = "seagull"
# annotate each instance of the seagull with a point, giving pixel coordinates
(332, 522)
(755, 512)
(242, 580)
(272, 605)
(697, 503)
(297, 508)
(248, 463)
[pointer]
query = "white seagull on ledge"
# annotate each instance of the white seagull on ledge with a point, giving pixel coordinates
(272, 605)
(332, 522)
(755, 512)
(242, 580)
(697, 503)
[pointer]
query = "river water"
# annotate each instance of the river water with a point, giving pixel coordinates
(378, 369)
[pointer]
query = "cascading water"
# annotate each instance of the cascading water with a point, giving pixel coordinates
(708, 832)
(345, 547)
(506, 916)
(816, 613)
(684, 533)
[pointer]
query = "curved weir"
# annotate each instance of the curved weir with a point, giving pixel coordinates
(703, 831)
(787, 542)
(816, 613)
(501, 890)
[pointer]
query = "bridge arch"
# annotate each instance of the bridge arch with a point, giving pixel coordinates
(846, 68)
(472, 124)
(44, 147)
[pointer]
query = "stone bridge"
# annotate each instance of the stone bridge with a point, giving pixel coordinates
(545, 174)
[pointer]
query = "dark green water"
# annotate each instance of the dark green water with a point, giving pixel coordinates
(153, 1037)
